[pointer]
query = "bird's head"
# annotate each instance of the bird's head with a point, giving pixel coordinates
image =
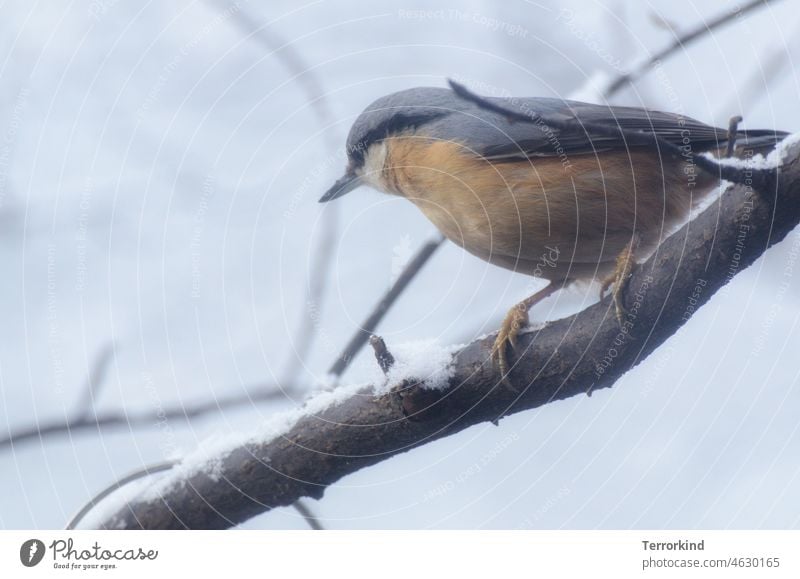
(404, 112)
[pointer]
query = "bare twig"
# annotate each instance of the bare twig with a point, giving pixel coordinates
(382, 354)
(115, 486)
(679, 42)
(663, 22)
(307, 514)
(285, 52)
(95, 380)
(733, 129)
(371, 323)
(567, 357)
(752, 86)
(112, 419)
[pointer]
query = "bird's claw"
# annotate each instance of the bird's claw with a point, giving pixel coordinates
(619, 278)
(507, 338)
(619, 290)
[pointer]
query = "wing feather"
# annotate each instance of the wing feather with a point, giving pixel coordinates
(494, 137)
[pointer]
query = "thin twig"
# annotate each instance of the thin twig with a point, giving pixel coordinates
(371, 323)
(310, 518)
(382, 353)
(681, 41)
(285, 52)
(663, 22)
(95, 380)
(753, 86)
(733, 130)
(112, 419)
(115, 486)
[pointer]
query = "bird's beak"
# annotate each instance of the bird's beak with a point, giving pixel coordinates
(344, 185)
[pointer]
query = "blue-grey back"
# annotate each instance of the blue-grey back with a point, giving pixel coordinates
(441, 114)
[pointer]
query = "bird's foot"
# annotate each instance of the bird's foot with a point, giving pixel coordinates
(506, 339)
(515, 320)
(620, 277)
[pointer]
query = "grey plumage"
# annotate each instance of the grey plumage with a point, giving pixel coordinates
(437, 111)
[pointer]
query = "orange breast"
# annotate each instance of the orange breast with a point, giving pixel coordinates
(513, 213)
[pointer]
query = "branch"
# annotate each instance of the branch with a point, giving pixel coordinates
(568, 357)
(681, 42)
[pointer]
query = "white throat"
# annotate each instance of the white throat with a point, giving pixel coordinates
(374, 161)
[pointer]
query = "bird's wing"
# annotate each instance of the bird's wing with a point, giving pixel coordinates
(492, 136)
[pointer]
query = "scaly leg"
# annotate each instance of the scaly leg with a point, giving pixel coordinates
(620, 277)
(515, 319)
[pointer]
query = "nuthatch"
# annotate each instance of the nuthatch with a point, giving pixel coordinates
(562, 204)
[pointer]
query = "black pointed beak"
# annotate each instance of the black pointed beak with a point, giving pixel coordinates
(343, 186)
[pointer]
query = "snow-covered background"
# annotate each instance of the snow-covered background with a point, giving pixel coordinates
(159, 171)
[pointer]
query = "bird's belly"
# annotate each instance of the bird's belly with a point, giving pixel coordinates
(522, 237)
(549, 220)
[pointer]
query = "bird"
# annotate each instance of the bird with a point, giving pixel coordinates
(562, 199)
